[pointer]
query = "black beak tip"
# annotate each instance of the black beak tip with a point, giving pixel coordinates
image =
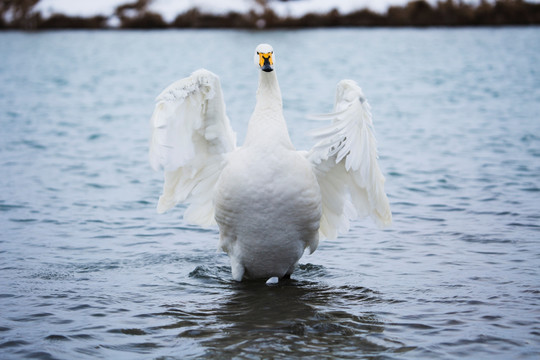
(267, 67)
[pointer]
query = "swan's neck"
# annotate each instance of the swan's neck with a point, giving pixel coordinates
(267, 123)
(268, 93)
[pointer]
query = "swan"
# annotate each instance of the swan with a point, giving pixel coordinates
(270, 201)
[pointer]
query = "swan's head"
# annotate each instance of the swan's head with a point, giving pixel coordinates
(264, 57)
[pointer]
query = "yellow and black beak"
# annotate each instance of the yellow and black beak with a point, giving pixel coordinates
(266, 61)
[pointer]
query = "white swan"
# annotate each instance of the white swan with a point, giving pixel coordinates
(270, 201)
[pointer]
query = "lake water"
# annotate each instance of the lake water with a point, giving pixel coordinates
(89, 270)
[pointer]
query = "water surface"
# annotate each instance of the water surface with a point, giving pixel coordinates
(89, 270)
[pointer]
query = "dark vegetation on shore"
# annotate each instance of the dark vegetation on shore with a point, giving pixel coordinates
(21, 14)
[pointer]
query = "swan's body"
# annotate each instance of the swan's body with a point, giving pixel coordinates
(270, 201)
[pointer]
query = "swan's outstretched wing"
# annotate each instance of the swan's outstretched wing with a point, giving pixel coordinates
(190, 136)
(345, 163)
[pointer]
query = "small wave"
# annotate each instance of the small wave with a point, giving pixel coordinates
(13, 343)
(82, 336)
(425, 218)
(529, 138)
(134, 331)
(55, 337)
(483, 339)
(445, 208)
(97, 266)
(415, 326)
(95, 137)
(483, 239)
(309, 270)
(163, 234)
(100, 186)
(5, 296)
(80, 307)
(176, 325)
(197, 333)
(50, 274)
(32, 317)
(417, 190)
(9, 207)
(531, 189)
(533, 226)
(358, 293)
(405, 203)
(25, 220)
(33, 144)
(139, 348)
(40, 355)
(220, 274)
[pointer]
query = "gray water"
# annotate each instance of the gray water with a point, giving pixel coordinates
(89, 270)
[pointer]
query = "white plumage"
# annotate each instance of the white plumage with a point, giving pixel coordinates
(270, 201)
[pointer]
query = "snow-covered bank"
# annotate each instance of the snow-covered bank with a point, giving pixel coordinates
(158, 14)
(169, 9)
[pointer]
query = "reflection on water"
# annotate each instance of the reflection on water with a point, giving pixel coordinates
(89, 270)
(296, 318)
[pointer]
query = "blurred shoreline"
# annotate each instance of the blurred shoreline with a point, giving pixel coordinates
(416, 13)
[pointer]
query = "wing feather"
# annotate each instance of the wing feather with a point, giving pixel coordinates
(345, 163)
(190, 136)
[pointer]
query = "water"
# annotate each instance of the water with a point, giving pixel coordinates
(89, 270)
